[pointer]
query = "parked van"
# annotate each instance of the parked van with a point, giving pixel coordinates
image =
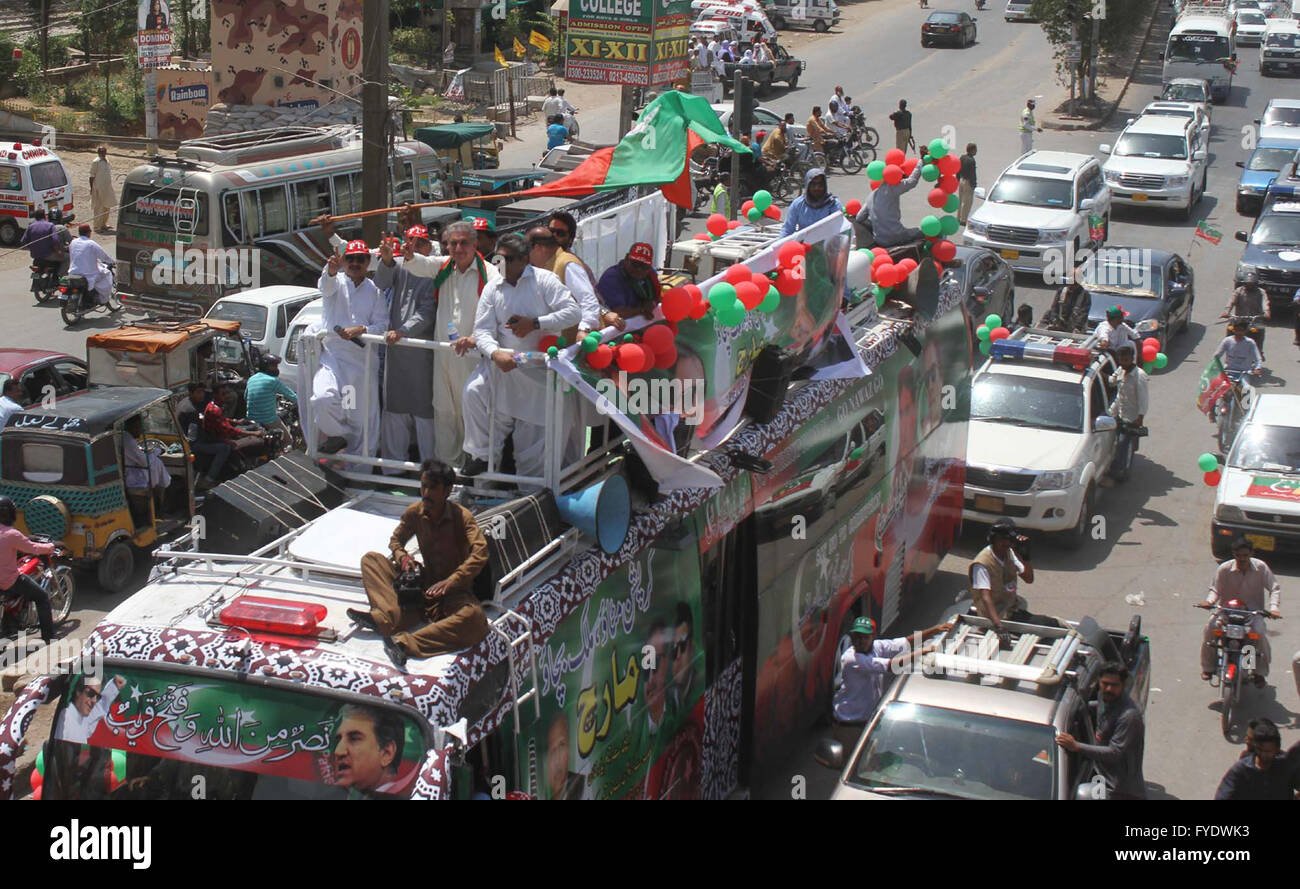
(1201, 45)
(748, 23)
(820, 15)
(30, 176)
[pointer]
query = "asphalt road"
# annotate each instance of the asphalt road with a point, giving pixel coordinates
(1158, 524)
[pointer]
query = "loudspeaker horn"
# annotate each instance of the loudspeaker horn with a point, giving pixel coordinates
(603, 511)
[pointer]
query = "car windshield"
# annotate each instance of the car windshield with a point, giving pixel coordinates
(1109, 273)
(1027, 401)
(915, 750)
(1032, 191)
(1267, 448)
(1251, 18)
(1277, 229)
(252, 319)
(1159, 145)
(1270, 160)
(1199, 48)
(1184, 92)
(1283, 39)
(944, 18)
(1282, 116)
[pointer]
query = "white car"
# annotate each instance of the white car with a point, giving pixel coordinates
(1158, 161)
(1039, 436)
(1259, 493)
(290, 351)
(1044, 205)
(1281, 121)
(264, 314)
(1018, 11)
(1186, 110)
(1250, 27)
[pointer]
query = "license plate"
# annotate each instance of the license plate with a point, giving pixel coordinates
(1234, 631)
(1139, 197)
(985, 503)
(1261, 541)
(1010, 254)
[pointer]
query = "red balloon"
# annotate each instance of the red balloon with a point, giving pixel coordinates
(885, 274)
(717, 224)
(734, 224)
(547, 341)
(853, 207)
(909, 165)
(737, 273)
(944, 251)
(695, 292)
(601, 357)
(936, 198)
(875, 183)
(1151, 343)
(787, 284)
(704, 236)
(631, 358)
(676, 303)
(749, 294)
(1212, 477)
(666, 358)
(938, 269)
(699, 308)
(893, 173)
(746, 207)
(1149, 353)
(948, 183)
(998, 333)
(949, 164)
(894, 156)
(37, 791)
(881, 253)
(762, 282)
(772, 211)
(907, 265)
(788, 252)
(657, 338)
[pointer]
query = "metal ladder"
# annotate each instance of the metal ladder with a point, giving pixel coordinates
(187, 200)
(987, 661)
(498, 625)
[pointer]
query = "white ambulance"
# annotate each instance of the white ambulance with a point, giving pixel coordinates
(31, 176)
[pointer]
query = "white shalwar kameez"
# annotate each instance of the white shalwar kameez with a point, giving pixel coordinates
(342, 372)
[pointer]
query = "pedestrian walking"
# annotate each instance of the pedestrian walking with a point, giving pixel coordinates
(1028, 126)
(966, 183)
(101, 190)
(902, 119)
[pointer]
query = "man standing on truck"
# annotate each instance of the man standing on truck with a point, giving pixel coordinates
(454, 551)
(1121, 737)
(1130, 409)
(885, 212)
(993, 573)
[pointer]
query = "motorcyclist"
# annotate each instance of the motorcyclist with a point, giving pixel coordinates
(1070, 307)
(1238, 353)
(42, 241)
(816, 203)
(1251, 582)
(92, 262)
(13, 542)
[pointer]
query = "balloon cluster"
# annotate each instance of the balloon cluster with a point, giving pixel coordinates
(1152, 357)
(756, 209)
(990, 332)
(1209, 464)
(650, 349)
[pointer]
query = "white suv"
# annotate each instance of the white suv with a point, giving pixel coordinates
(1039, 437)
(1042, 205)
(1158, 161)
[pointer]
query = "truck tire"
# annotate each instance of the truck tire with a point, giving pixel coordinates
(116, 567)
(794, 80)
(1074, 538)
(820, 26)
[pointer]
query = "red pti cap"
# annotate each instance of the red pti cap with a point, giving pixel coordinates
(482, 225)
(356, 248)
(417, 231)
(642, 252)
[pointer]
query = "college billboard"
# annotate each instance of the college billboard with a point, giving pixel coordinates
(627, 42)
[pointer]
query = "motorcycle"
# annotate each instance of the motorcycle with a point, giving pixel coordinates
(51, 575)
(79, 300)
(288, 411)
(1231, 408)
(1232, 637)
(979, 4)
(45, 279)
(846, 154)
(869, 136)
(571, 124)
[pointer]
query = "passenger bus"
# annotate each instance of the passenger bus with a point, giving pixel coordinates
(683, 658)
(241, 191)
(1202, 46)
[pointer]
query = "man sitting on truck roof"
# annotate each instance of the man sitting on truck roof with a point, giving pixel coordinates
(993, 574)
(454, 552)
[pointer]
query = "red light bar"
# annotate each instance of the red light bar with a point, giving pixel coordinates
(1079, 357)
(273, 615)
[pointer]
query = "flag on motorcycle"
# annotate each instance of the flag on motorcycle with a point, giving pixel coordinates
(520, 49)
(1212, 386)
(655, 152)
(539, 40)
(1203, 230)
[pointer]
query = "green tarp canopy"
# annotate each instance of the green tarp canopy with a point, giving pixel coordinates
(453, 135)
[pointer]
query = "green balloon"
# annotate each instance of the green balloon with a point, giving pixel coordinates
(930, 226)
(937, 148)
(754, 214)
(983, 332)
(951, 205)
(993, 320)
(948, 224)
(762, 200)
(1148, 366)
(876, 171)
(929, 172)
(985, 347)
(552, 351)
(721, 295)
(588, 346)
(561, 342)
(732, 315)
(1207, 462)
(771, 301)
(1161, 360)
(627, 338)
(880, 298)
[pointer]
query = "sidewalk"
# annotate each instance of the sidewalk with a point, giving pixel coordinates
(1117, 72)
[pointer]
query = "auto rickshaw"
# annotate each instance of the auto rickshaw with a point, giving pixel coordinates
(64, 468)
(493, 182)
(465, 146)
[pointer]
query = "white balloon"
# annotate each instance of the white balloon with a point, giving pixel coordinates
(859, 270)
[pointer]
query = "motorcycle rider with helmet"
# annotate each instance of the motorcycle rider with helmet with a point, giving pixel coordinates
(1249, 300)
(13, 542)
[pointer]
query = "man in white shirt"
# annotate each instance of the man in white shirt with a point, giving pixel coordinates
(89, 706)
(458, 283)
(101, 189)
(342, 389)
(1130, 409)
(84, 258)
(11, 402)
(552, 105)
(1117, 332)
(565, 105)
(144, 471)
(512, 313)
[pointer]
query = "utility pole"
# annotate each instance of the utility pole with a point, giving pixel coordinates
(1074, 65)
(737, 102)
(374, 116)
(626, 109)
(45, 35)
(1094, 56)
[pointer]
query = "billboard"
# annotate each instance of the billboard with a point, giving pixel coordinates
(627, 42)
(153, 34)
(183, 100)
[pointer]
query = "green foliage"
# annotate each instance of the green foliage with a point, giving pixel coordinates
(414, 44)
(1119, 20)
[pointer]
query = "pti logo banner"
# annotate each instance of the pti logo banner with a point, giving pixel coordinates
(1275, 488)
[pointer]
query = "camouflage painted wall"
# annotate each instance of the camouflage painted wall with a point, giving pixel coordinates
(183, 100)
(285, 52)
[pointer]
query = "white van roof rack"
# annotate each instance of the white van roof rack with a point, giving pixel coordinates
(258, 145)
(1056, 337)
(1040, 655)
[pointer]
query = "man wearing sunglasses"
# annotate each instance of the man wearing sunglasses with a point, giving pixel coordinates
(513, 311)
(88, 706)
(565, 229)
(342, 389)
(545, 252)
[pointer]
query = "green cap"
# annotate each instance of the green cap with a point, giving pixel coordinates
(864, 625)
(1114, 312)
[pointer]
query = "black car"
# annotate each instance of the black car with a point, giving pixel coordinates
(948, 27)
(1155, 289)
(988, 285)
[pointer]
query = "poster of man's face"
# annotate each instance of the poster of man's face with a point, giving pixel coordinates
(367, 748)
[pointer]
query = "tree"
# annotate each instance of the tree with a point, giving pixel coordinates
(1063, 19)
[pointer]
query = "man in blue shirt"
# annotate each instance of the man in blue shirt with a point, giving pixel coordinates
(631, 287)
(1239, 353)
(260, 394)
(41, 239)
(556, 133)
(815, 204)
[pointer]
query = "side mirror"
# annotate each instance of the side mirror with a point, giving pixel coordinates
(829, 753)
(1242, 236)
(1104, 148)
(1199, 155)
(1161, 57)
(1241, 164)
(1104, 423)
(1087, 204)
(980, 192)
